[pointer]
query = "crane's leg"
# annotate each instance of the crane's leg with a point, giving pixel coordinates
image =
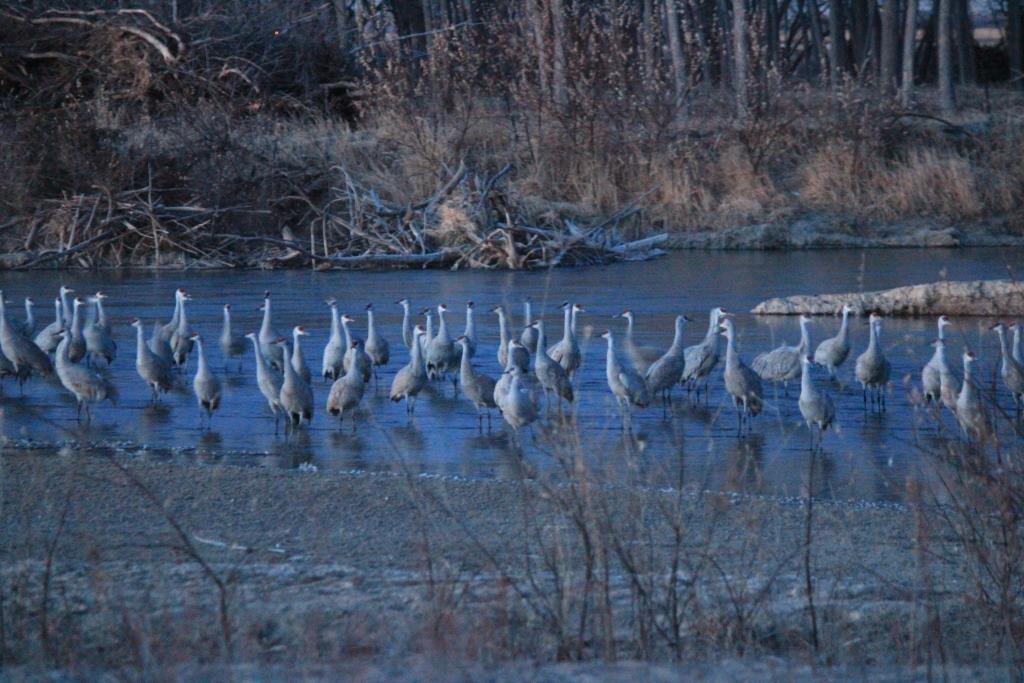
(881, 394)
(479, 421)
(864, 395)
(78, 411)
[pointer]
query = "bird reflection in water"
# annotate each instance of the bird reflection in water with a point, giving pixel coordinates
(745, 465)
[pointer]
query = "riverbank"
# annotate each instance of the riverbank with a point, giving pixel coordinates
(321, 569)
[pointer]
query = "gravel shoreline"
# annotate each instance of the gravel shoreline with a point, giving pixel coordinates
(355, 561)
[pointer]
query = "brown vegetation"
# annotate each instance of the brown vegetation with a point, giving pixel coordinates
(164, 137)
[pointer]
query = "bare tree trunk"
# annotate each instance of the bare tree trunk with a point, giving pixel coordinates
(559, 72)
(675, 46)
(725, 58)
(859, 34)
(647, 37)
(964, 42)
(699, 32)
(887, 73)
(536, 19)
(837, 39)
(909, 38)
(1014, 29)
(817, 40)
(341, 23)
(945, 76)
(739, 41)
(772, 32)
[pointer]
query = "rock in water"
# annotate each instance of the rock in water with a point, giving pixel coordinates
(980, 297)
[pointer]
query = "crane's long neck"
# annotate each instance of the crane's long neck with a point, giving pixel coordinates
(942, 330)
(30, 316)
(573, 326)
(430, 327)
(712, 334)
(204, 369)
(348, 334)
(261, 364)
(611, 362)
(335, 323)
(805, 336)
(177, 310)
(677, 340)
(873, 340)
(140, 342)
(65, 307)
(1003, 350)
(806, 385)
(265, 325)
(844, 329)
(967, 389)
(406, 324)
(371, 327)
(76, 321)
(442, 326)
(567, 324)
(1016, 344)
(541, 342)
(296, 346)
(101, 313)
(58, 313)
(183, 319)
(731, 357)
(465, 368)
(62, 352)
(417, 354)
(470, 331)
(289, 371)
(502, 328)
(629, 328)
(3, 312)
(528, 312)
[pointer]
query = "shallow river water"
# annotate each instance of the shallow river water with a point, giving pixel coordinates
(868, 457)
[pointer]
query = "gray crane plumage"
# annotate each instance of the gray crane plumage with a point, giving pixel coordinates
(518, 357)
(783, 363)
(816, 406)
(931, 373)
(552, 376)
(154, 370)
(872, 368)
(741, 383)
(641, 356)
(665, 372)
(442, 357)
(346, 393)
(98, 341)
(296, 396)
(298, 358)
(519, 408)
(267, 380)
(49, 337)
(477, 387)
(25, 357)
(702, 358)
(410, 380)
(528, 338)
(232, 344)
(332, 366)
(272, 351)
(407, 333)
(85, 385)
(970, 411)
(205, 384)
(355, 353)
(626, 384)
(377, 347)
(567, 351)
(1010, 370)
(833, 352)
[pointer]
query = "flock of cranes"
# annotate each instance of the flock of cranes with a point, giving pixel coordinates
(79, 340)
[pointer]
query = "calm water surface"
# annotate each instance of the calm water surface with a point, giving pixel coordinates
(868, 457)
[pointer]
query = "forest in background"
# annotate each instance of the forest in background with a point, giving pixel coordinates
(509, 133)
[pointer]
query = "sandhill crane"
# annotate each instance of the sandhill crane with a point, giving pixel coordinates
(346, 393)
(552, 376)
(518, 357)
(469, 332)
(101, 314)
(232, 344)
(298, 359)
(1010, 370)
(49, 337)
(165, 332)
(519, 409)
(407, 334)
(296, 397)
(267, 380)
(272, 352)
(529, 336)
(27, 327)
(98, 342)
(410, 380)
(702, 358)
(970, 411)
(783, 363)
(931, 373)
(441, 356)
(816, 407)
(872, 368)
(26, 358)
(86, 386)
(205, 384)
(949, 390)
(503, 338)
(334, 352)
(477, 387)
(665, 372)
(428, 315)
(639, 355)
(832, 352)
(742, 383)
(181, 340)
(567, 351)
(355, 353)
(376, 347)
(626, 384)
(76, 344)
(161, 346)
(153, 369)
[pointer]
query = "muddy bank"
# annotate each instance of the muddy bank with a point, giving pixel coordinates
(321, 569)
(822, 232)
(980, 297)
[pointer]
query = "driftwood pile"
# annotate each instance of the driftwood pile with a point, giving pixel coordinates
(469, 222)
